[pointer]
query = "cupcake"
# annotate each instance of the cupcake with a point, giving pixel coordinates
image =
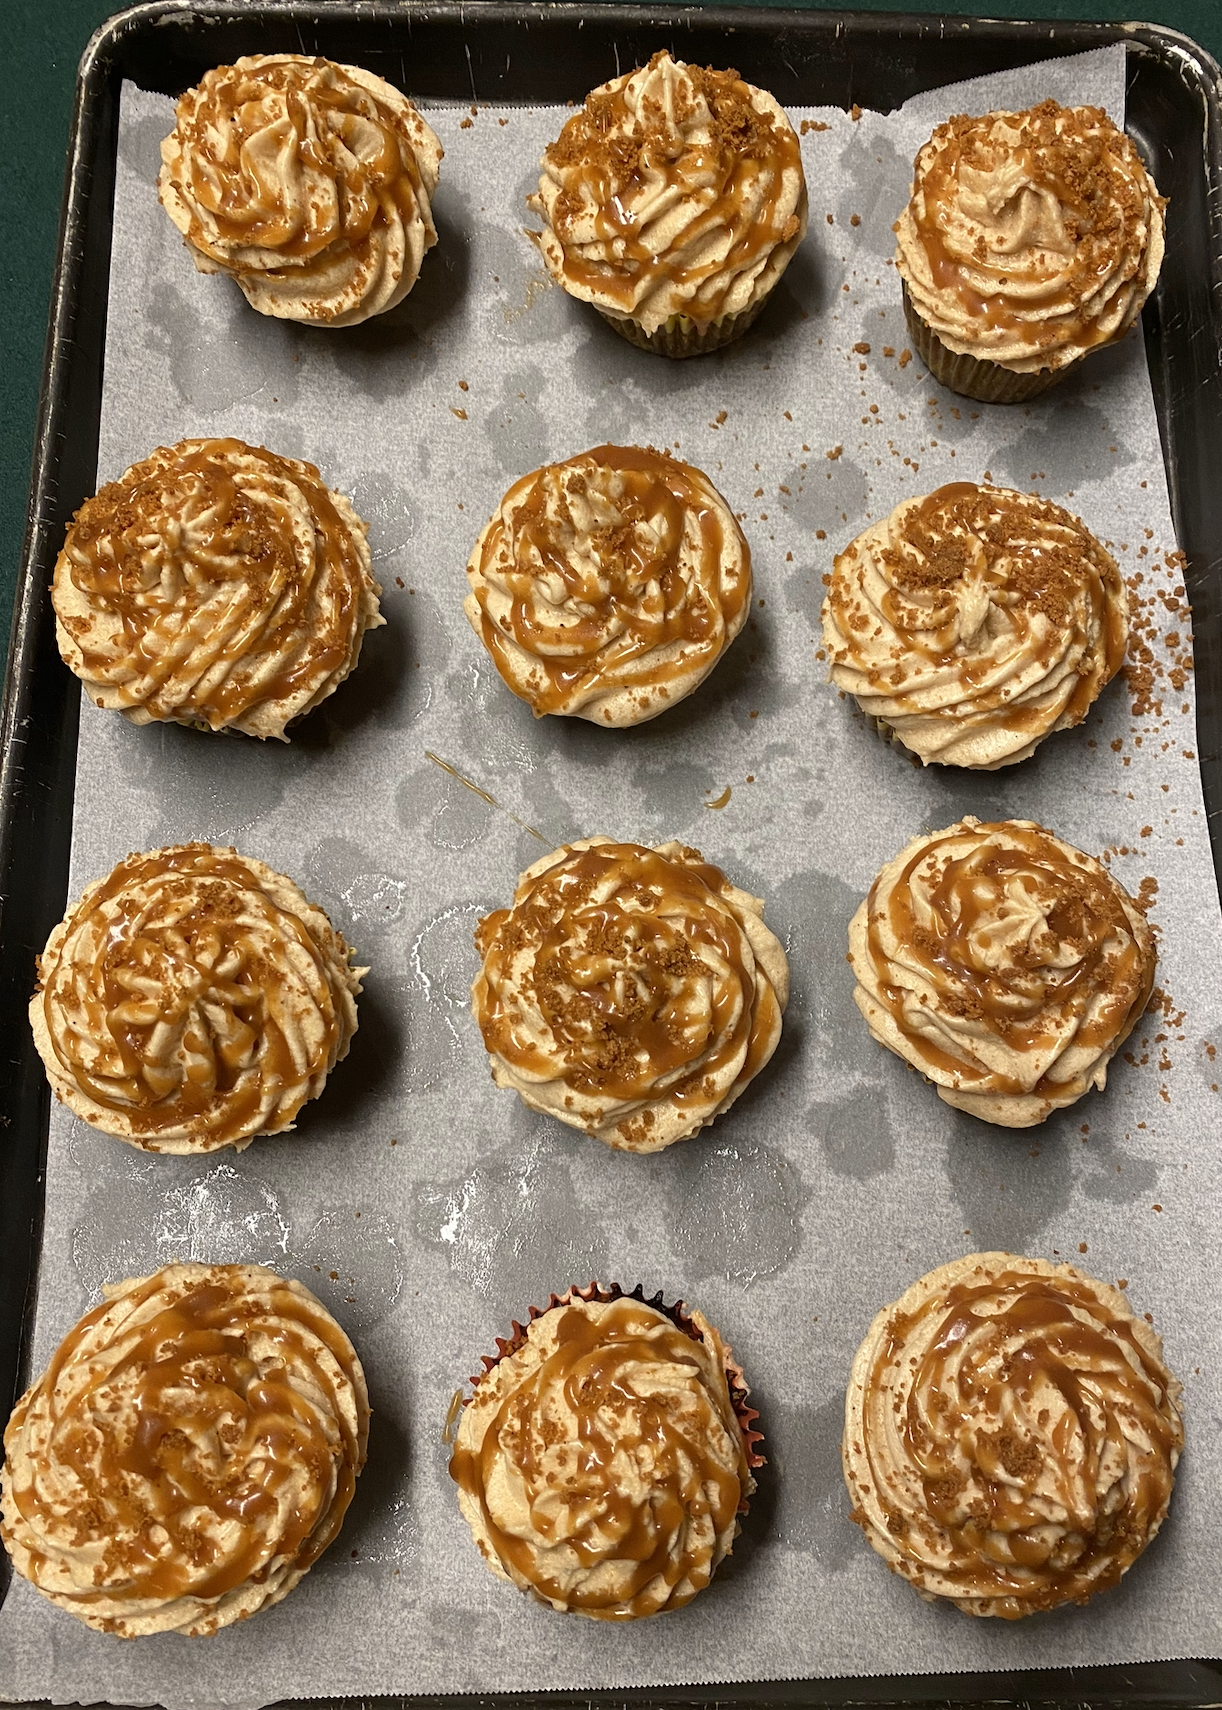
(673, 202)
(1029, 239)
(974, 622)
(1010, 1435)
(189, 1453)
(308, 182)
(191, 1000)
(607, 587)
(217, 585)
(1005, 965)
(633, 993)
(606, 1455)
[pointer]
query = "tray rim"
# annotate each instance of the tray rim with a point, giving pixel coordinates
(1201, 75)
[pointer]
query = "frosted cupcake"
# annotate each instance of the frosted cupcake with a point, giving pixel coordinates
(193, 999)
(1011, 1435)
(308, 182)
(673, 202)
(607, 587)
(972, 623)
(189, 1453)
(606, 1455)
(1030, 239)
(633, 993)
(1005, 965)
(214, 584)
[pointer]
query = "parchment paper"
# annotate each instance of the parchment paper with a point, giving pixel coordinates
(428, 1208)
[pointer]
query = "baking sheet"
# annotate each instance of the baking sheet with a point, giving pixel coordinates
(444, 1207)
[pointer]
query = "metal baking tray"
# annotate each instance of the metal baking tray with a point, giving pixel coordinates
(516, 51)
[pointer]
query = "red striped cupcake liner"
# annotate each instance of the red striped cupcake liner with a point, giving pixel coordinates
(679, 1316)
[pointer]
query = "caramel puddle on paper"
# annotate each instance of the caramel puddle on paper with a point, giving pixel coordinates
(482, 794)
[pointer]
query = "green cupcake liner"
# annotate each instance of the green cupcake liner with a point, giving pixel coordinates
(986, 382)
(681, 336)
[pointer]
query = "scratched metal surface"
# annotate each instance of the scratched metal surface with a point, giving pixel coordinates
(444, 1206)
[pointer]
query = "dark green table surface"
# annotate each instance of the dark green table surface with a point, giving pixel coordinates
(42, 41)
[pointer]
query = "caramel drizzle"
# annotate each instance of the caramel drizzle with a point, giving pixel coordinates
(1033, 1003)
(214, 1427)
(341, 133)
(187, 955)
(596, 1370)
(605, 156)
(192, 554)
(1094, 174)
(1035, 559)
(664, 611)
(632, 988)
(969, 1420)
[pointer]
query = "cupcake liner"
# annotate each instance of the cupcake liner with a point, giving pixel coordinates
(679, 1316)
(681, 336)
(986, 382)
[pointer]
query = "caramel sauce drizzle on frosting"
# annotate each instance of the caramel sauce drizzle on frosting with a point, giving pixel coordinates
(627, 974)
(623, 1401)
(1036, 224)
(1022, 1437)
(308, 181)
(673, 178)
(202, 1430)
(1042, 227)
(994, 612)
(620, 570)
(352, 151)
(213, 583)
(1026, 941)
(194, 992)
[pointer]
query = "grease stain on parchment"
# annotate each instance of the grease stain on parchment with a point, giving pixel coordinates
(1009, 1184)
(225, 1214)
(855, 1134)
(511, 1226)
(734, 1210)
(454, 818)
(351, 1260)
(435, 1000)
(803, 1446)
(222, 1216)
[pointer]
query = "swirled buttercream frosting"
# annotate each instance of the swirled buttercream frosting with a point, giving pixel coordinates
(973, 622)
(189, 1453)
(214, 584)
(192, 999)
(630, 992)
(308, 182)
(608, 586)
(675, 190)
(1005, 965)
(1011, 1435)
(1030, 237)
(605, 1455)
